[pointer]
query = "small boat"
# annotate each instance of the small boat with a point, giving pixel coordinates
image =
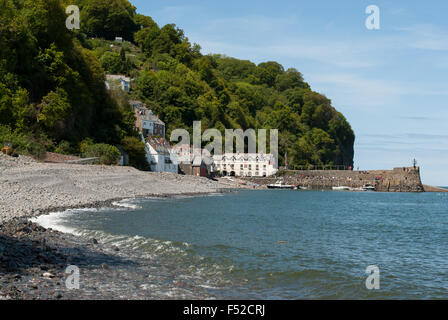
(280, 185)
(368, 187)
(341, 188)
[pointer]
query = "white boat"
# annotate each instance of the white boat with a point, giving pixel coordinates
(341, 188)
(280, 185)
(368, 187)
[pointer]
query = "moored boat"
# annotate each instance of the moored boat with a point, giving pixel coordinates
(368, 187)
(280, 185)
(341, 188)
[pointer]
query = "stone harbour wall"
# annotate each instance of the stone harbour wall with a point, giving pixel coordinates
(404, 179)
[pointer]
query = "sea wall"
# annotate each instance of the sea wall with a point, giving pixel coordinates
(405, 179)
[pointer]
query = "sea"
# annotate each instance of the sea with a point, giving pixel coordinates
(284, 244)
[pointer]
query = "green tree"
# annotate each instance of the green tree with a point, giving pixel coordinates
(109, 155)
(112, 62)
(267, 72)
(108, 19)
(289, 80)
(53, 111)
(135, 149)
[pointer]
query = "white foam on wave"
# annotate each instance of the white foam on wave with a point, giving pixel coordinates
(148, 248)
(55, 221)
(127, 204)
(205, 286)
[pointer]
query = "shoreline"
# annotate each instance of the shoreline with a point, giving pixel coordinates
(429, 188)
(110, 202)
(33, 262)
(33, 259)
(29, 188)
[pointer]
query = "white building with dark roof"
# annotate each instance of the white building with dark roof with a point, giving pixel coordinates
(245, 164)
(159, 155)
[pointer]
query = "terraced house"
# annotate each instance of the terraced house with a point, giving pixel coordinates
(245, 164)
(147, 122)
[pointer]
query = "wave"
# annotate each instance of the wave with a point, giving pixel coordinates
(54, 220)
(126, 203)
(170, 257)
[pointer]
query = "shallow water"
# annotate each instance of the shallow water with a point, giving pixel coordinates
(284, 244)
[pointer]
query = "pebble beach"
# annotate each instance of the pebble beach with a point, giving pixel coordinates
(33, 260)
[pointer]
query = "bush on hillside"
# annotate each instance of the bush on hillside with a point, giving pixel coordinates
(109, 155)
(23, 143)
(135, 148)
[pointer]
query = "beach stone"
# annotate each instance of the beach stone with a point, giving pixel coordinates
(34, 188)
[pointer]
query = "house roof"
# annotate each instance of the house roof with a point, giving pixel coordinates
(244, 157)
(197, 161)
(151, 117)
(135, 103)
(147, 115)
(159, 144)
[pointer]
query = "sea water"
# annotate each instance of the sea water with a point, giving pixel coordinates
(285, 244)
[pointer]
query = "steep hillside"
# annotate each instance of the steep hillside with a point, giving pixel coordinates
(52, 83)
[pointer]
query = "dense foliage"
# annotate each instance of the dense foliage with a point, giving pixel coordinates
(51, 87)
(108, 154)
(52, 83)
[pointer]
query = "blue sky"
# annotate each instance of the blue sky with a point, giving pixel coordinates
(391, 83)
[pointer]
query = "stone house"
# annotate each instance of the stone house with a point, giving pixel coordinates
(147, 122)
(193, 161)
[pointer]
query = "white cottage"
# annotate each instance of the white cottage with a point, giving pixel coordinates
(158, 154)
(123, 82)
